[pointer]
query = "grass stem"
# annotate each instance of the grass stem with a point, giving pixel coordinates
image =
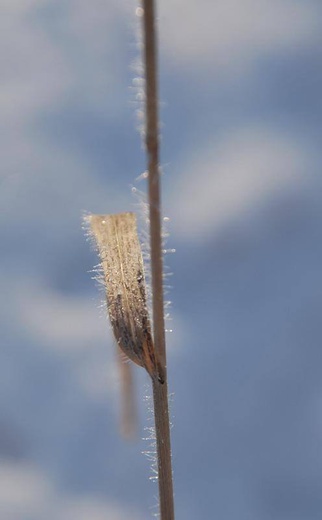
(160, 391)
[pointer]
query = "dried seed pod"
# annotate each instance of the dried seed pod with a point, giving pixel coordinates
(121, 257)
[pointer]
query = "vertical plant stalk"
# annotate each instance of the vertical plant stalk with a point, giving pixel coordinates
(160, 391)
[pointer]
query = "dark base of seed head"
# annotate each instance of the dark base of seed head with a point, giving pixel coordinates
(160, 376)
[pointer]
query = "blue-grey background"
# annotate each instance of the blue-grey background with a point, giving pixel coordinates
(241, 85)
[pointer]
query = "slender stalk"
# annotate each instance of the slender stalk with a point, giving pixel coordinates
(161, 417)
(160, 391)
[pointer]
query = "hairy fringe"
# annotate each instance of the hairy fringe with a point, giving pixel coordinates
(96, 273)
(142, 208)
(151, 449)
(150, 437)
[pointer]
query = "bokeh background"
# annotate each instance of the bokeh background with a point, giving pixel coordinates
(241, 85)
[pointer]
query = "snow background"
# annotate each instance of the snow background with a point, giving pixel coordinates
(241, 107)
